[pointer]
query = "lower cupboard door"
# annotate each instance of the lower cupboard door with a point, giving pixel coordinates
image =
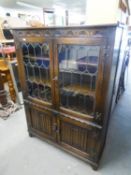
(79, 138)
(42, 123)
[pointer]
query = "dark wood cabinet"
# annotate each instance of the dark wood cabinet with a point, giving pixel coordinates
(67, 76)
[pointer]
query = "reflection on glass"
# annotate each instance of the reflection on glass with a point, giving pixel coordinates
(78, 66)
(36, 62)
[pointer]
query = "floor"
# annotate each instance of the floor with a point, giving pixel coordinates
(22, 155)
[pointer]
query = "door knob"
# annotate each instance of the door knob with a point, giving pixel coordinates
(55, 78)
(54, 127)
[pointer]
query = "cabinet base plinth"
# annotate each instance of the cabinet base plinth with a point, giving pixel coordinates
(95, 167)
(31, 135)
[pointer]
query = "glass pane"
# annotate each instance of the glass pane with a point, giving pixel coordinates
(36, 61)
(78, 66)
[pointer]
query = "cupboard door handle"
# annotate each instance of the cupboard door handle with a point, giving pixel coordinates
(54, 127)
(55, 78)
(55, 113)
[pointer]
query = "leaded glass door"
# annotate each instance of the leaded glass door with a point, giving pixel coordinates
(38, 69)
(80, 73)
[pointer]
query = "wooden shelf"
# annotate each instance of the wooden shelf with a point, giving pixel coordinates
(75, 72)
(78, 110)
(37, 81)
(84, 90)
(87, 64)
(37, 58)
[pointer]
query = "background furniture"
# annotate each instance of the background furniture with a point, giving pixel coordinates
(3, 97)
(67, 77)
(6, 78)
(8, 67)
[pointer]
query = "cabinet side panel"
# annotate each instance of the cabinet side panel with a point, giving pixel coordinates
(114, 42)
(122, 46)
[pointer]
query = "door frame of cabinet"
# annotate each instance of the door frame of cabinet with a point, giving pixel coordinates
(101, 42)
(22, 75)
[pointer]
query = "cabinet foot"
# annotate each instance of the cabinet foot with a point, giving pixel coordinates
(31, 135)
(95, 167)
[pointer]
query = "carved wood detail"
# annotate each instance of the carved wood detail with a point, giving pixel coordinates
(83, 139)
(61, 33)
(41, 121)
(74, 136)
